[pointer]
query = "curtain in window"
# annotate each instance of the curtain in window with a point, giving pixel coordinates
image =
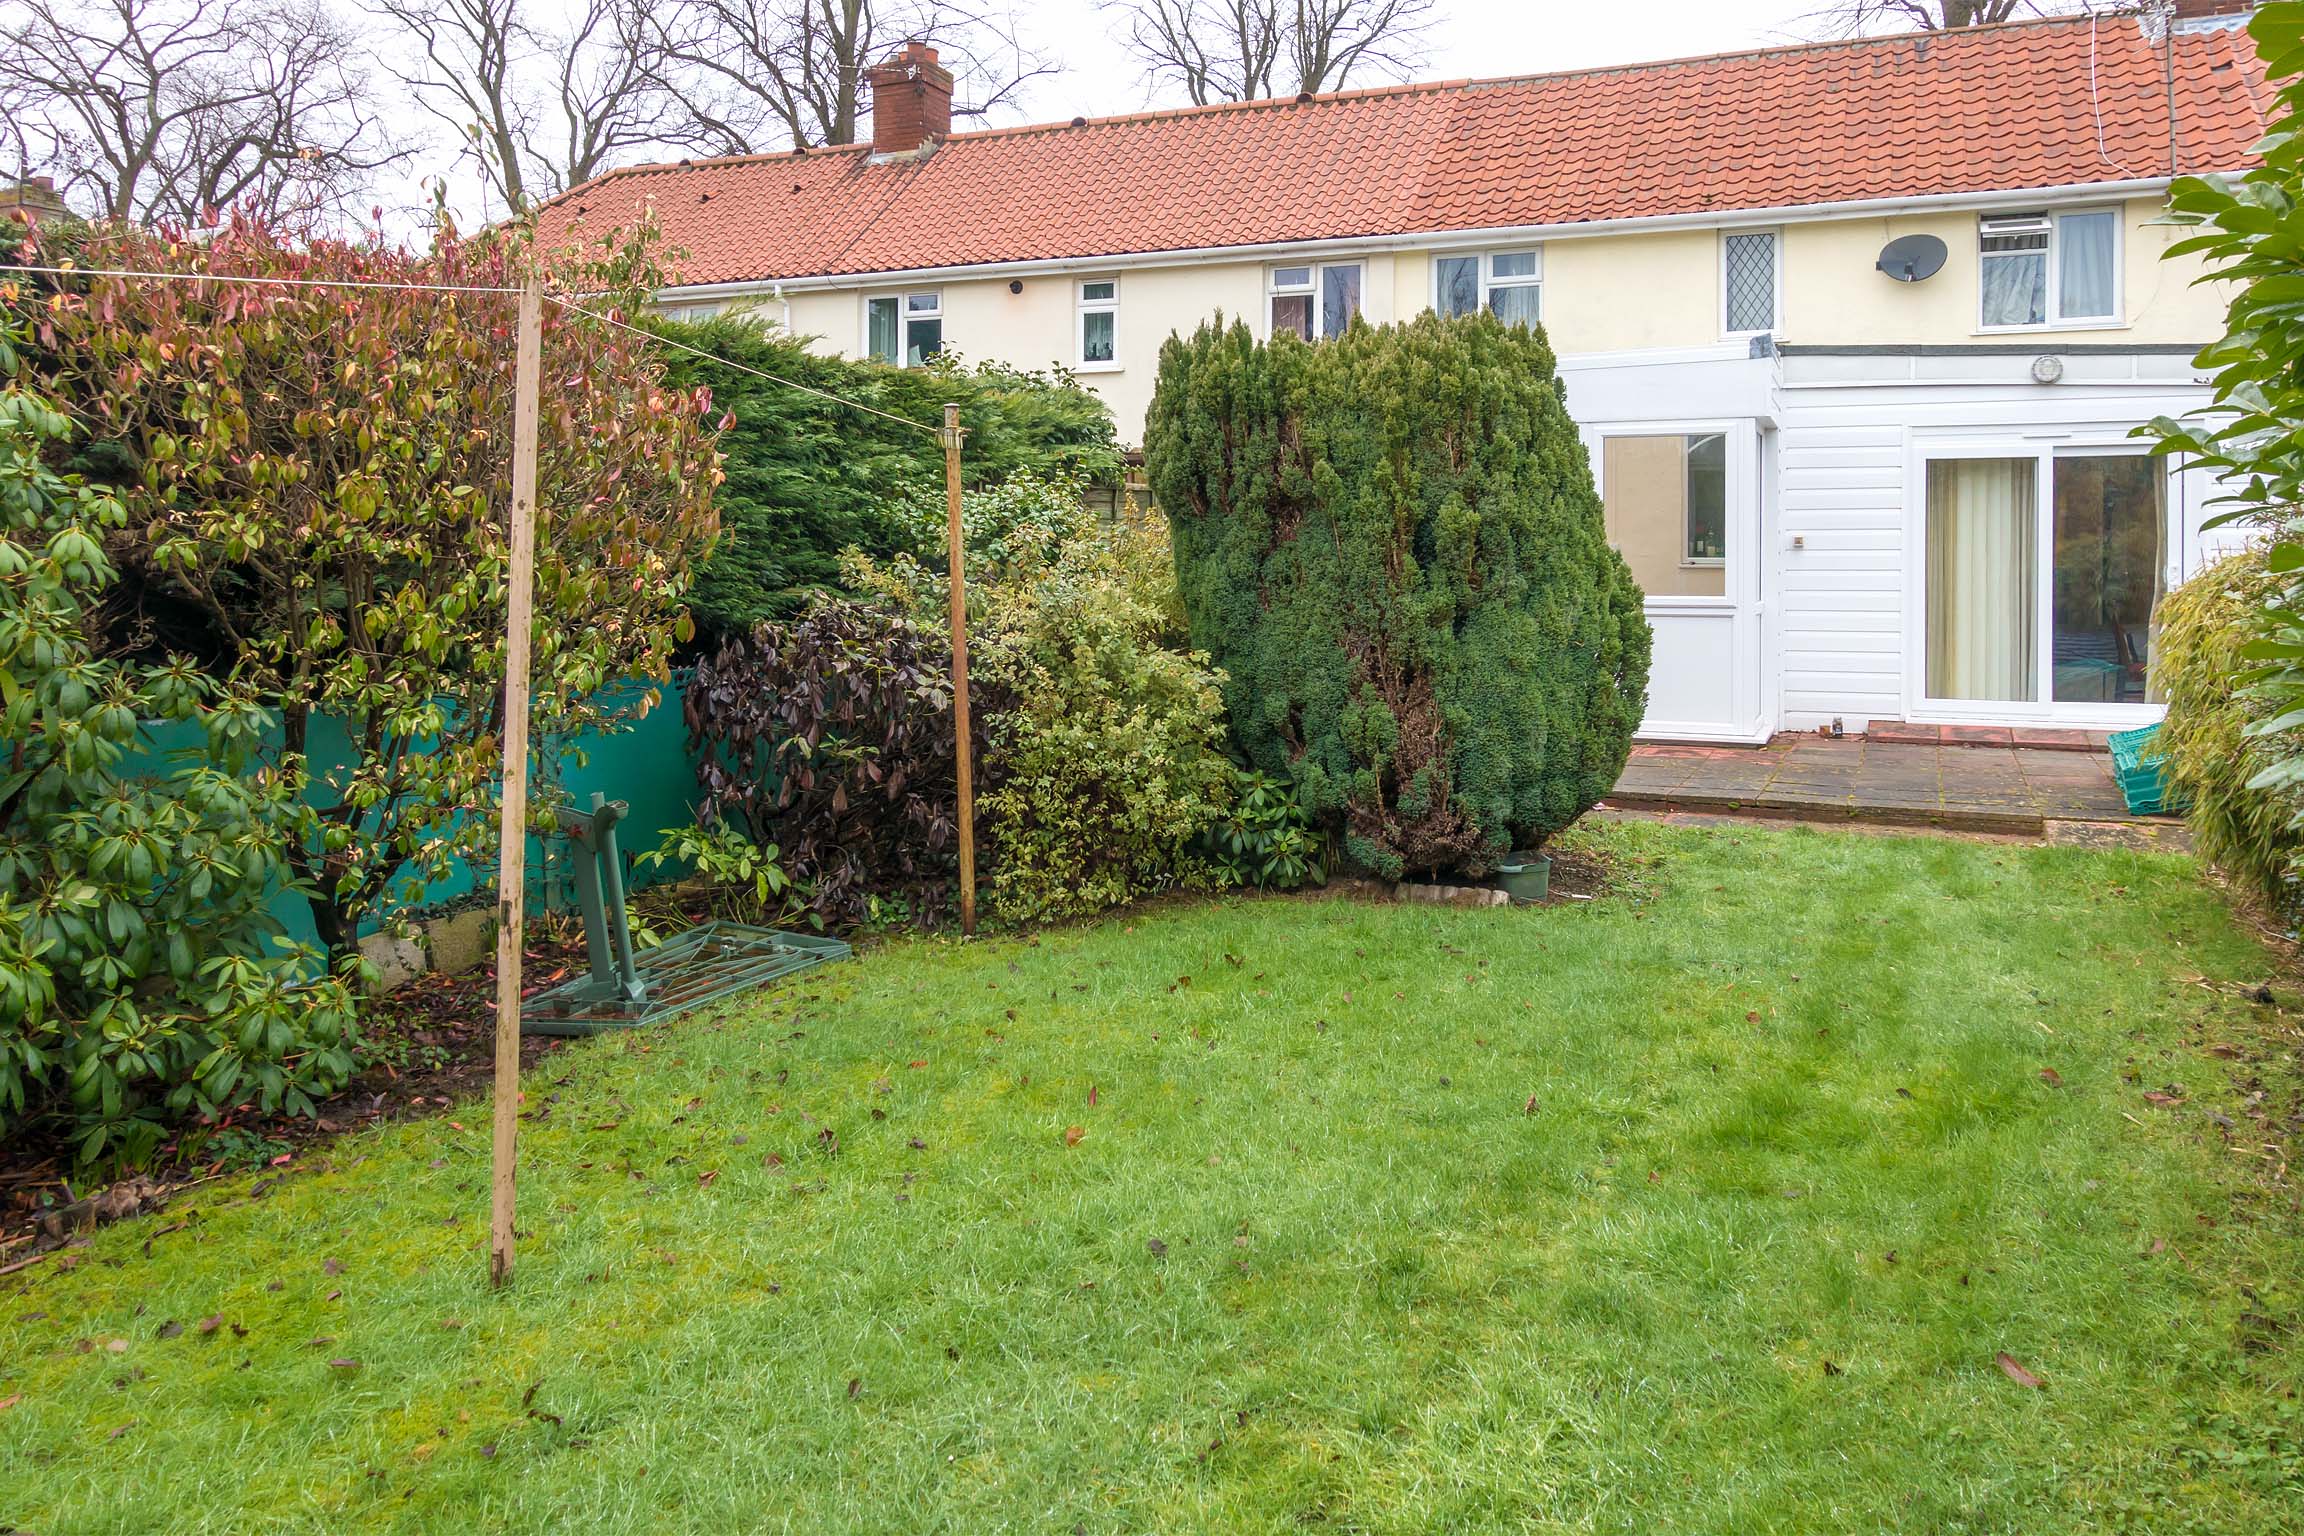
(1515, 305)
(1339, 298)
(1981, 597)
(880, 329)
(1459, 284)
(2085, 264)
(2016, 289)
(923, 339)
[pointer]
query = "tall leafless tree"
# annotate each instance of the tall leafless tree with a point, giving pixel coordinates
(171, 109)
(768, 74)
(541, 99)
(1855, 18)
(1242, 50)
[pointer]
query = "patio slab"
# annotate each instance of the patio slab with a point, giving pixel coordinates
(1955, 781)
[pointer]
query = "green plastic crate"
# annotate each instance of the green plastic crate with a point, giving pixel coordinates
(2137, 764)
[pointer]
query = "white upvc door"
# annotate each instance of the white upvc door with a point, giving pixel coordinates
(1684, 507)
(2032, 572)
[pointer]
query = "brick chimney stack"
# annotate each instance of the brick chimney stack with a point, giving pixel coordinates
(31, 200)
(2193, 15)
(911, 100)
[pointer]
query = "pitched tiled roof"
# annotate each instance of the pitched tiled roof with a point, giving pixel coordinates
(2026, 105)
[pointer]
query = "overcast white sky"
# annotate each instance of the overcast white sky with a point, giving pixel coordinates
(1474, 38)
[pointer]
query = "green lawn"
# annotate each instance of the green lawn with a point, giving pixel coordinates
(1791, 1180)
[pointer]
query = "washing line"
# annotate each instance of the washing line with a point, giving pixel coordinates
(406, 287)
(758, 373)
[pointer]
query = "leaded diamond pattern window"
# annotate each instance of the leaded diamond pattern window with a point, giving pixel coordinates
(1750, 277)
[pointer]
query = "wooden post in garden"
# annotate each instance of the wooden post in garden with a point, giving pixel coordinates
(512, 857)
(960, 670)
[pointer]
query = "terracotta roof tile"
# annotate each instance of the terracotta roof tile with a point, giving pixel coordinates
(2034, 104)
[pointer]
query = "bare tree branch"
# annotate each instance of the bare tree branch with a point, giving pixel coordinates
(1860, 18)
(756, 75)
(173, 109)
(541, 105)
(1245, 50)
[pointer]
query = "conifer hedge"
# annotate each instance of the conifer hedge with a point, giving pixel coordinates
(1391, 544)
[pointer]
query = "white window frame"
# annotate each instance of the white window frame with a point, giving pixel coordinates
(2056, 321)
(905, 314)
(2043, 451)
(693, 314)
(1732, 436)
(1489, 282)
(1082, 308)
(1273, 288)
(1776, 272)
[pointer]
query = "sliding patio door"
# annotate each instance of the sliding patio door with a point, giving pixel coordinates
(2040, 574)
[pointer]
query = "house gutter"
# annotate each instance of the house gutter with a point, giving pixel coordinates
(1445, 240)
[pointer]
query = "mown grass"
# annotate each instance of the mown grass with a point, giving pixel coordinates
(1791, 1179)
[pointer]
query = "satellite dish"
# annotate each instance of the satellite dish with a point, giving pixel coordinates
(1912, 258)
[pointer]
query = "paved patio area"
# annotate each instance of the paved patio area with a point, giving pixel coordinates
(1969, 787)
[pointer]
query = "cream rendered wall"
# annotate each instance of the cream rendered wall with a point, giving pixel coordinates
(1602, 294)
(1613, 293)
(1035, 328)
(1834, 296)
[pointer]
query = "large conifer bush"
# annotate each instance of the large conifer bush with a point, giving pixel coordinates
(1391, 544)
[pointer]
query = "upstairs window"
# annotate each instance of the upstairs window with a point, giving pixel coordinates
(1748, 282)
(1508, 282)
(1315, 301)
(905, 329)
(2049, 269)
(1099, 310)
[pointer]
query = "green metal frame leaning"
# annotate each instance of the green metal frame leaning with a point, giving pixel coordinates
(627, 988)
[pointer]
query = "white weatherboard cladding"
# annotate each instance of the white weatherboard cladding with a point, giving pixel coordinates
(1821, 623)
(1853, 435)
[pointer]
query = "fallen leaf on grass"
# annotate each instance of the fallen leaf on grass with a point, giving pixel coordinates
(332, 1266)
(1073, 1133)
(170, 1329)
(1529, 1108)
(344, 1365)
(123, 1429)
(855, 1385)
(2015, 1372)
(2051, 1077)
(211, 1324)
(7, 1403)
(1158, 1249)
(2161, 1099)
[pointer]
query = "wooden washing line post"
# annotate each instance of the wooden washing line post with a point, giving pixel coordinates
(963, 752)
(512, 845)
(512, 830)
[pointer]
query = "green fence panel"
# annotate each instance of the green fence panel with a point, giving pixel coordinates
(647, 764)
